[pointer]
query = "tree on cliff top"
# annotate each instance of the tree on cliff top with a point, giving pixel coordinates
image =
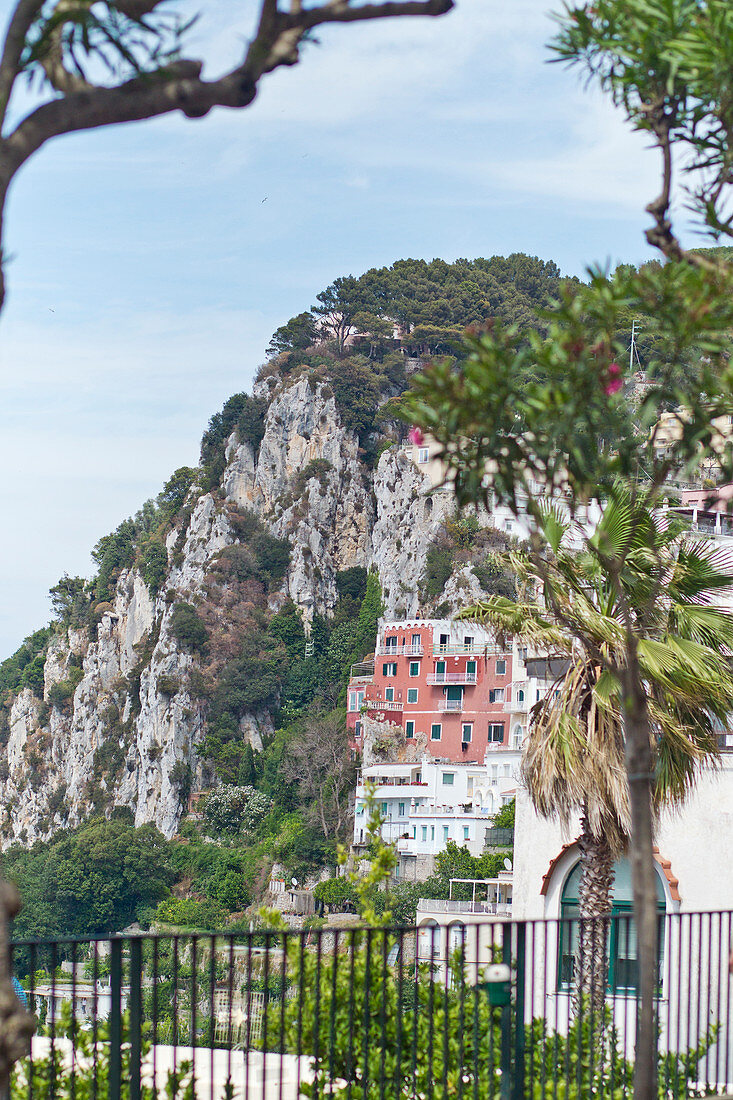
(67, 46)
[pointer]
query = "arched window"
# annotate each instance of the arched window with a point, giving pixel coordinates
(622, 952)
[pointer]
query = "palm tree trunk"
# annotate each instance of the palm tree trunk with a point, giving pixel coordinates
(595, 902)
(641, 853)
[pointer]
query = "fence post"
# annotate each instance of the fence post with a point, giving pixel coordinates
(16, 1025)
(136, 965)
(506, 1090)
(115, 1019)
(518, 1083)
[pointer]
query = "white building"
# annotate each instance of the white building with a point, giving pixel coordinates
(693, 876)
(469, 927)
(427, 804)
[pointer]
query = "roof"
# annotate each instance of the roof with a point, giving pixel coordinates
(665, 865)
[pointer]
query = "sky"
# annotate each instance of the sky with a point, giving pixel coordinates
(149, 264)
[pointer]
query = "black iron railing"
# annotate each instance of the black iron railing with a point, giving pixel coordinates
(374, 1014)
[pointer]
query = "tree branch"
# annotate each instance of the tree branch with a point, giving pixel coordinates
(15, 40)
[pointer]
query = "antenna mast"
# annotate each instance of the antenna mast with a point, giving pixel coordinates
(633, 353)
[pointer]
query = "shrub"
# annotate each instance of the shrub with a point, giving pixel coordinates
(153, 564)
(187, 627)
(168, 685)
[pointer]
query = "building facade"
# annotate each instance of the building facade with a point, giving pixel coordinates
(447, 685)
(426, 805)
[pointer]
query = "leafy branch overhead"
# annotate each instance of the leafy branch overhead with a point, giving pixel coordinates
(103, 63)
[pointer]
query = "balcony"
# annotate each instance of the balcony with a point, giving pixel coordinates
(381, 704)
(440, 905)
(467, 650)
(516, 706)
(450, 706)
(410, 650)
(452, 678)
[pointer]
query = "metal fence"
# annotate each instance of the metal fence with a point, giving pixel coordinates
(374, 1013)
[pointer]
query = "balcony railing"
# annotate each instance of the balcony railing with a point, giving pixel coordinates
(467, 650)
(381, 704)
(409, 650)
(516, 706)
(440, 905)
(451, 678)
(450, 706)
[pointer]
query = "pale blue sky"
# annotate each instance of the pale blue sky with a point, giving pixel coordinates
(148, 273)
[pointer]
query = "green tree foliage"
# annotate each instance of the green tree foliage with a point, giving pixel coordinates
(247, 415)
(112, 554)
(97, 878)
(356, 391)
(434, 301)
(372, 608)
(231, 809)
(25, 667)
(187, 627)
(504, 818)
(173, 494)
(298, 334)
(70, 599)
(153, 564)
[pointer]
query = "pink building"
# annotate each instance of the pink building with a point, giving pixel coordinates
(447, 684)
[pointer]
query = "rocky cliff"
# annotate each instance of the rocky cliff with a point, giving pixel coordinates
(119, 723)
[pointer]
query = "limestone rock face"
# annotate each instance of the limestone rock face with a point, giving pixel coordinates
(118, 724)
(309, 486)
(408, 518)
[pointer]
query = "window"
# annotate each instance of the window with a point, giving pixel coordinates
(622, 953)
(470, 670)
(494, 772)
(412, 695)
(389, 669)
(414, 832)
(467, 732)
(357, 729)
(414, 668)
(390, 642)
(507, 769)
(448, 778)
(446, 832)
(466, 832)
(389, 695)
(360, 808)
(424, 833)
(496, 731)
(444, 641)
(520, 695)
(432, 832)
(496, 695)
(384, 808)
(423, 455)
(352, 700)
(468, 642)
(410, 728)
(435, 731)
(501, 668)
(359, 699)
(401, 809)
(469, 785)
(440, 670)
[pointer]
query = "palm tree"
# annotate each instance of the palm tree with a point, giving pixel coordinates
(662, 582)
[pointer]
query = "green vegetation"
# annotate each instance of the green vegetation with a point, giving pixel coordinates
(97, 878)
(461, 542)
(242, 413)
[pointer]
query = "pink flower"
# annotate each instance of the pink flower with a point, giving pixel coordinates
(614, 380)
(415, 436)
